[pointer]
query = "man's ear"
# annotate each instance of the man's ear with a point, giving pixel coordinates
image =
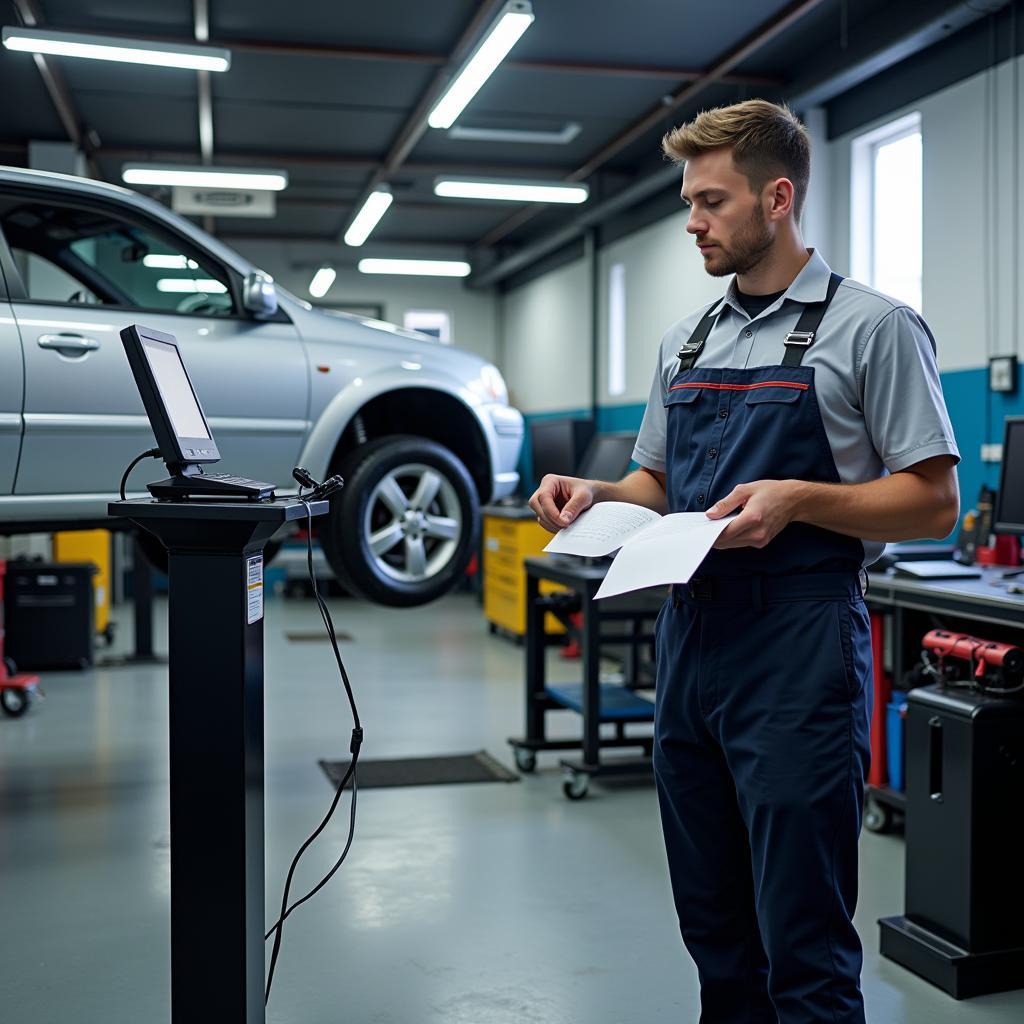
(780, 195)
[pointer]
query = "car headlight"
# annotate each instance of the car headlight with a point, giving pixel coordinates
(490, 385)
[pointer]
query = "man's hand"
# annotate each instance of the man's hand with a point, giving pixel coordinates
(769, 506)
(560, 499)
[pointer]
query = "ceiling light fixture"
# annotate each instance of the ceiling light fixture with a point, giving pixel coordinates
(322, 281)
(369, 215)
(205, 177)
(126, 51)
(205, 286)
(512, 21)
(510, 189)
(535, 137)
(169, 261)
(423, 268)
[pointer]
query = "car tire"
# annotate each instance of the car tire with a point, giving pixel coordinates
(404, 527)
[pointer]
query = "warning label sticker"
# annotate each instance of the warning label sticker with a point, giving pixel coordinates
(254, 589)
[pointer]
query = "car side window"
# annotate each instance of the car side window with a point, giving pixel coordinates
(70, 255)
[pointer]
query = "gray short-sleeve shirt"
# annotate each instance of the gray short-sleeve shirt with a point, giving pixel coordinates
(875, 374)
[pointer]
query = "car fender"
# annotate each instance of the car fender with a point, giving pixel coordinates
(326, 432)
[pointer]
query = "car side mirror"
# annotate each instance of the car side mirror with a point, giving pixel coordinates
(259, 296)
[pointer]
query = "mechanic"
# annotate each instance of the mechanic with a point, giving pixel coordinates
(810, 405)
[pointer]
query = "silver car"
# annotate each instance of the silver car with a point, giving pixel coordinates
(421, 432)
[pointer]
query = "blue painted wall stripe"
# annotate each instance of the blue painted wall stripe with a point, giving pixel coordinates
(976, 413)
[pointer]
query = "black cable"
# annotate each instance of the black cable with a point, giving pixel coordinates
(153, 453)
(277, 930)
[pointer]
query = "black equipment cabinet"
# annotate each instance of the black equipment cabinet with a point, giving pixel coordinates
(963, 927)
(50, 615)
(215, 668)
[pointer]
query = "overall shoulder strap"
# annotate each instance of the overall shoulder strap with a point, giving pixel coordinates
(801, 338)
(691, 350)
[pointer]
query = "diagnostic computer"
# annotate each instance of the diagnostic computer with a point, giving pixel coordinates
(182, 432)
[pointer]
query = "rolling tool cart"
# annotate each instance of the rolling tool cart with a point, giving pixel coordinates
(596, 702)
(16, 688)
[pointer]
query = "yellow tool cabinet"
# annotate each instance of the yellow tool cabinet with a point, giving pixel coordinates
(511, 534)
(89, 546)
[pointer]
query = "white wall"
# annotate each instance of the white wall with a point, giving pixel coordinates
(665, 280)
(972, 214)
(545, 341)
(474, 313)
(973, 231)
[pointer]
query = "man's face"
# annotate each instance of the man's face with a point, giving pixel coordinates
(726, 218)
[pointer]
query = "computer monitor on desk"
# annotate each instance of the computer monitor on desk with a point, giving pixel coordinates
(608, 456)
(1009, 510)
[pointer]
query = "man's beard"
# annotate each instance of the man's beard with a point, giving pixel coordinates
(749, 246)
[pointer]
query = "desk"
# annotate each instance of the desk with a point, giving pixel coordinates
(594, 701)
(914, 606)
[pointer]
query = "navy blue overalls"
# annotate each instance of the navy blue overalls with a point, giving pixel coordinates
(761, 733)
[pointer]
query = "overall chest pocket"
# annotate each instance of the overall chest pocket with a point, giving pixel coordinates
(776, 394)
(681, 394)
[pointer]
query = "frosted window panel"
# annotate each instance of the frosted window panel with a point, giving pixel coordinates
(617, 329)
(896, 234)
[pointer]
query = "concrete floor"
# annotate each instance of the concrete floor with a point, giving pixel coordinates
(486, 904)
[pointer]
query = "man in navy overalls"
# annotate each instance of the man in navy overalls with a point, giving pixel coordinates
(810, 405)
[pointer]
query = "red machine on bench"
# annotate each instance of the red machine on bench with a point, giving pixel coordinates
(990, 667)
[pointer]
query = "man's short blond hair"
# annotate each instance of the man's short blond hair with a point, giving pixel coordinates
(767, 141)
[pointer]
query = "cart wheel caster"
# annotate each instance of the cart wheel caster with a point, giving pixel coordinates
(575, 786)
(14, 702)
(526, 760)
(877, 817)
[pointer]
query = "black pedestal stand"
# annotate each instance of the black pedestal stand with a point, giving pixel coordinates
(215, 647)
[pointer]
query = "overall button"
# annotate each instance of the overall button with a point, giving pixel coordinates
(722, 413)
(748, 334)
(712, 452)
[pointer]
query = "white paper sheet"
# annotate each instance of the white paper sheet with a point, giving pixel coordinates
(670, 551)
(602, 529)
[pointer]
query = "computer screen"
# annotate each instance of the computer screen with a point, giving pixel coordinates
(174, 411)
(608, 456)
(179, 398)
(1009, 511)
(556, 446)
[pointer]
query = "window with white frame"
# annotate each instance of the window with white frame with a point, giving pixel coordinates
(886, 209)
(617, 329)
(435, 322)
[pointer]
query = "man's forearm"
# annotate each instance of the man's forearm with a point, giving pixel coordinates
(903, 506)
(643, 487)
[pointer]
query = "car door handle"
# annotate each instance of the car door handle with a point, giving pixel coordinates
(69, 344)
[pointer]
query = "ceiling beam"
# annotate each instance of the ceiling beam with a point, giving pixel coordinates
(362, 53)
(656, 115)
(633, 71)
(327, 161)
(31, 17)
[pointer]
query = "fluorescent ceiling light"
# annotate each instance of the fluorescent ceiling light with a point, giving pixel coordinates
(127, 51)
(367, 218)
(513, 20)
(322, 281)
(205, 286)
(544, 138)
(205, 177)
(515, 191)
(169, 261)
(424, 268)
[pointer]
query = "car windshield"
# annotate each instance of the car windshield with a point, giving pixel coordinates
(68, 254)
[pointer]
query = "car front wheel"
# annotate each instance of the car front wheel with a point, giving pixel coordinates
(403, 528)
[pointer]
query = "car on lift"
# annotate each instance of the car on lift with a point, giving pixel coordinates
(422, 432)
